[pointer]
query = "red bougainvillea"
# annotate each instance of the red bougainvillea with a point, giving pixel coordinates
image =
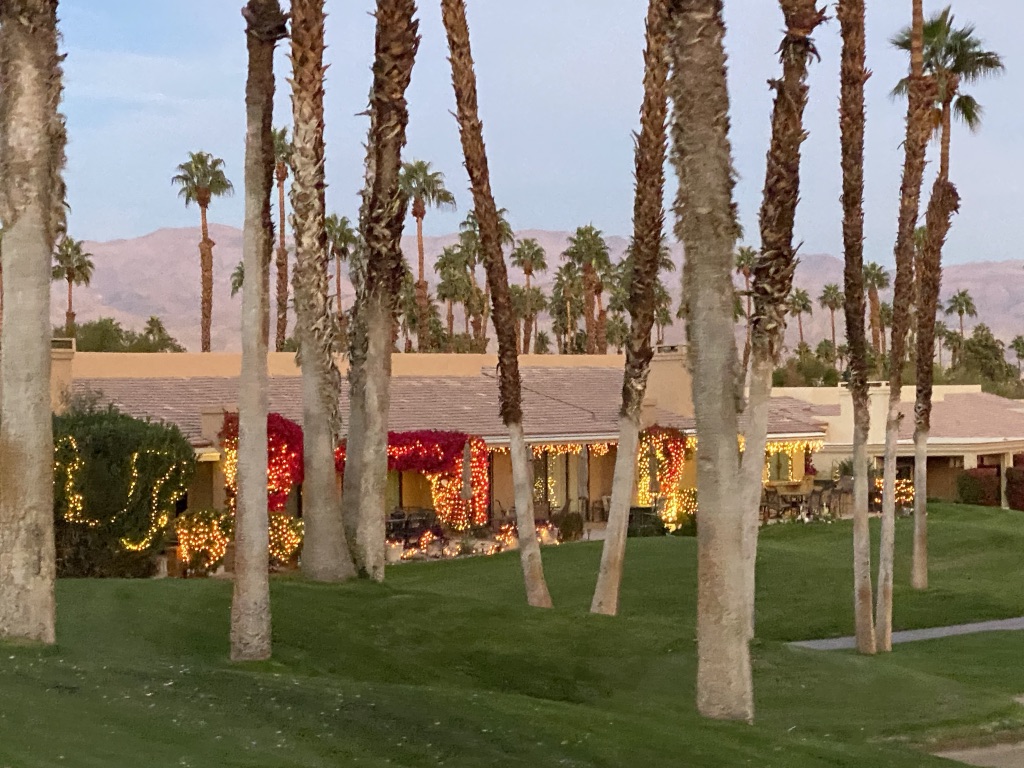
(284, 458)
(439, 457)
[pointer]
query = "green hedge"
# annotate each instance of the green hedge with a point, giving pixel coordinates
(117, 481)
(1015, 487)
(979, 487)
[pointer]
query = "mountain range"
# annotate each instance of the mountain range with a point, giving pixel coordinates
(158, 274)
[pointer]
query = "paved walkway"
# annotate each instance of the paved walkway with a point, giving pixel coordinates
(914, 635)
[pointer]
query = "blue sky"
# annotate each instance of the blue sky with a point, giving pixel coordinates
(560, 86)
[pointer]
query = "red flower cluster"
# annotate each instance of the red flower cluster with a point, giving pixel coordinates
(284, 456)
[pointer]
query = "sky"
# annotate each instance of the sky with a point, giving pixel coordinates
(560, 90)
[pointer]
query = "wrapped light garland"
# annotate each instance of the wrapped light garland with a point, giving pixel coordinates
(668, 448)
(904, 491)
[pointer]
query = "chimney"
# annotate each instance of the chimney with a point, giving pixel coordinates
(212, 420)
(669, 383)
(62, 355)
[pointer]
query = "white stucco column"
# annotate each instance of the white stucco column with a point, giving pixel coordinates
(970, 461)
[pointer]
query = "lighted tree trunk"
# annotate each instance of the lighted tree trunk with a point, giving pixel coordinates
(250, 605)
(453, 13)
(853, 76)
(944, 203)
(919, 127)
(381, 220)
(325, 553)
(32, 143)
(648, 230)
(707, 227)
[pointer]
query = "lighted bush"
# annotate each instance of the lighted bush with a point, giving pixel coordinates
(203, 538)
(117, 481)
(979, 487)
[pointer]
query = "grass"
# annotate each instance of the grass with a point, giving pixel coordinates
(444, 665)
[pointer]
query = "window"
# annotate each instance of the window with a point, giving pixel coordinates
(780, 468)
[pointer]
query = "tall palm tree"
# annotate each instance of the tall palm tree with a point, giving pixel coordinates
(953, 56)
(799, 305)
(832, 300)
(381, 222)
(250, 605)
(876, 279)
(237, 278)
(853, 76)
(342, 243)
(645, 257)
(588, 250)
(325, 554)
(453, 13)
(454, 285)
(469, 243)
(567, 303)
(529, 256)
(776, 263)
(423, 188)
(746, 258)
(962, 305)
(32, 207)
(72, 263)
(922, 93)
(941, 334)
(200, 179)
(282, 158)
(707, 226)
(541, 343)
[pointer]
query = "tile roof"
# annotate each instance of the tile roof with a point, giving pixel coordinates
(970, 416)
(558, 403)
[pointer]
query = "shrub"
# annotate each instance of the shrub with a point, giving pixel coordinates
(203, 537)
(979, 487)
(569, 525)
(117, 481)
(645, 521)
(1015, 487)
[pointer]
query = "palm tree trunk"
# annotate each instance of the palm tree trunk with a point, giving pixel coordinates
(250, 605)
(206, 272)
(381, 221)
(69, 316)
(453, 13)
(325, 554)
(832, 321)
(337, 288)
(963, 337)
(800, 326)
(947, 131)
(282, 271)
(648, 229)
(422, 295)
(854, 75)
(31, 199)
(922, 96)
(943, 204)
(708, 229)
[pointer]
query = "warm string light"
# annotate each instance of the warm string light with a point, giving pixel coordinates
(203, 537)
(285, 536)
(68, 461)
(792, 449)
(904, 491)
(669, 447)
(159, 509)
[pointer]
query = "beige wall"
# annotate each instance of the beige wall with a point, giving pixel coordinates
(942, 478)
(669, 384)
(502, 492)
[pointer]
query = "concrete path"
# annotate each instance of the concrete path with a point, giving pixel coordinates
(914, 635)
(1002, 756)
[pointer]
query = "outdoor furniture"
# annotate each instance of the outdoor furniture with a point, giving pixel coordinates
(396, 525)
(812, 504)
(772, 505)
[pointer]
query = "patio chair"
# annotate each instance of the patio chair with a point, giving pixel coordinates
(772, 505)
(811, 506)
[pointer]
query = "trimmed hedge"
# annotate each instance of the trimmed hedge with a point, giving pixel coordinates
(1015, 487)
(979, 487)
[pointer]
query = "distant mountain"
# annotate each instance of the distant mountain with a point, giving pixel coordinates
(158, 274)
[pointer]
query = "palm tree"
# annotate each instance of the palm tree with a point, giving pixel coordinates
(588, 251)
(567, 303)
(746, 259)
(250, 605)
(237, 278)
(832, 299)
(201, 178)
(73, 264)
(708, 230)
(342, 244)
(799, 305)
(876, 279)
(921, 91)
(381, 222)
(325, 553)
(853, 76)
(1017, 345)
(541, 343)
(952, 57)
(282, 158)
(941, 336)
(32, 197)
(424, 188)
(618, 332)
(962, 305)
(530, 257)
(454, 286)
(644, 262)
(453, 13)
(885, 317)
(469, 242)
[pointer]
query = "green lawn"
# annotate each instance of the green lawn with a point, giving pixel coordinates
(444, 665)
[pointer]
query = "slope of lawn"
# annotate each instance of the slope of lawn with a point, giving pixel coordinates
(444, 665)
